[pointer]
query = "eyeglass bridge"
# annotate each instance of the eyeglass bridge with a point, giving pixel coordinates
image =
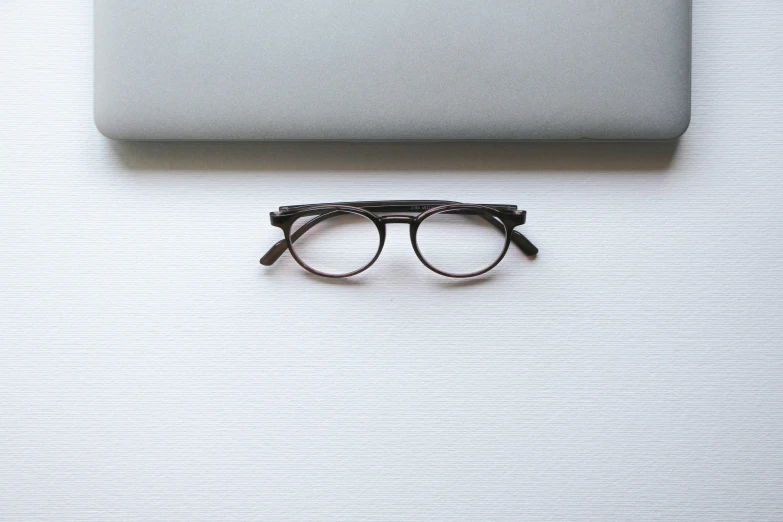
(398, 219)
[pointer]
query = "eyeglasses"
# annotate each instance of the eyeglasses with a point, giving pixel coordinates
(452, 239)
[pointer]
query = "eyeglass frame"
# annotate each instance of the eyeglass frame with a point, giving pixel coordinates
(505, 218)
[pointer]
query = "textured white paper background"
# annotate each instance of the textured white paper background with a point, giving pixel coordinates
(150, 369)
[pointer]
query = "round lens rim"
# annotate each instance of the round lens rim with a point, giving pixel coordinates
(379, 225)
(440, 210)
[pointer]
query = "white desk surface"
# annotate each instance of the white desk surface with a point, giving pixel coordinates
(151, 369)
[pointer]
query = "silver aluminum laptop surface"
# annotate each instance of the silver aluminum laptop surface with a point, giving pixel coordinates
(392, 69)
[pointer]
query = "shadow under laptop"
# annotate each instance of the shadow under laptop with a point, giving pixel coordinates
(253, 157)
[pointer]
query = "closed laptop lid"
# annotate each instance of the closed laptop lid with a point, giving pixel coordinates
(392, 69)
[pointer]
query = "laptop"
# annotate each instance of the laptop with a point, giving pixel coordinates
(392, 69)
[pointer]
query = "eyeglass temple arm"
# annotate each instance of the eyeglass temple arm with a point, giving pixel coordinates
(274, 253)
(524, 244)
(279, 248)
(518, 238)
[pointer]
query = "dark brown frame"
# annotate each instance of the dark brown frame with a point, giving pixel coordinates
(503, 217)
